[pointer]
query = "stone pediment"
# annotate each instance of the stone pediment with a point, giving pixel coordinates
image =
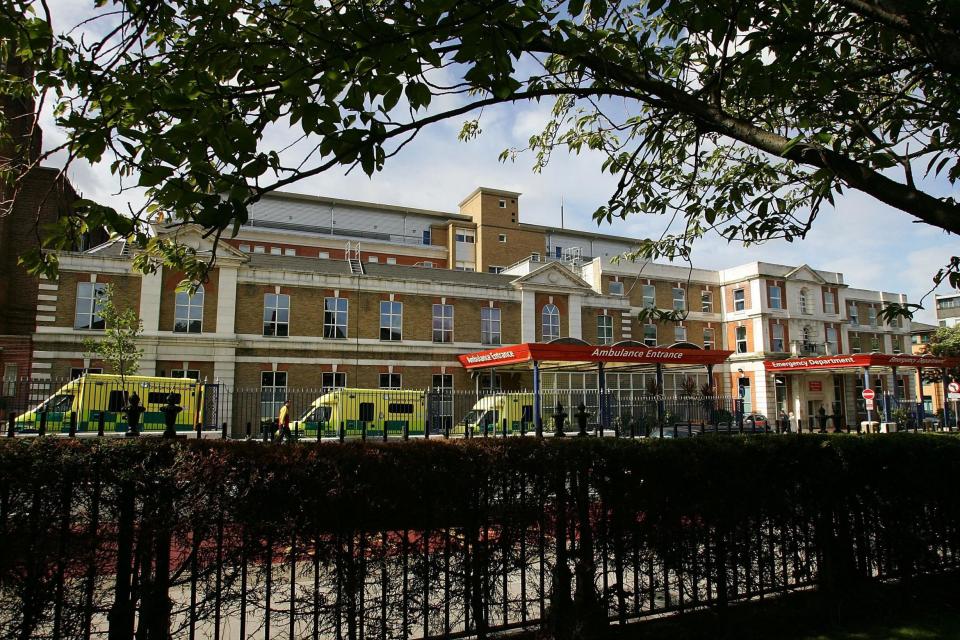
(192, 236)
(805, 272)
(552, 277)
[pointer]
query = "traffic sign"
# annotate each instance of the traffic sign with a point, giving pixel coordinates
(868, 394)
(869, 404)
(953, 396)
(953, 387)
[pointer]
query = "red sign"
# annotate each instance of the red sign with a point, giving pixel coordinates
(868, 394)
(855, 360)
(815, 385)
(536, 352)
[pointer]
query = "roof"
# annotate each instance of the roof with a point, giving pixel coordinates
(287, 195)
(491, 191)
(922, 327)
(378, 270)
(115, 247)
(523, 355)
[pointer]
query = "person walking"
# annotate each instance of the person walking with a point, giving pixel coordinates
(284, 421)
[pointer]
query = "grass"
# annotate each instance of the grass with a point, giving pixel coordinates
(924, 611)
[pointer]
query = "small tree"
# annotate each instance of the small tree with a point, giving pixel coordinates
(944, 343)
(118, 348)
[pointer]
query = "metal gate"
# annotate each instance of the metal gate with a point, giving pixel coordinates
(211, 406)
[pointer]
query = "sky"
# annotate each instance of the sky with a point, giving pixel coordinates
(873, 245)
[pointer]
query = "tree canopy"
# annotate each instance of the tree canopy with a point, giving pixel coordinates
(735, 117)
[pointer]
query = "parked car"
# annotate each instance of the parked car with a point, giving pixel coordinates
(755, 422)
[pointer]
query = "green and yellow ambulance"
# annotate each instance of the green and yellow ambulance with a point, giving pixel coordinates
(364, 411)
(96, 394)
(490, 411)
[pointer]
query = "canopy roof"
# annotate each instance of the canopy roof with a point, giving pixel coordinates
(523, 355)
(860, 360)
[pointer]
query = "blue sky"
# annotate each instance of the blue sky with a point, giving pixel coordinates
(873, 245)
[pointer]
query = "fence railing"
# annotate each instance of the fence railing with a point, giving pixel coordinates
(225, 540)
(97, 406)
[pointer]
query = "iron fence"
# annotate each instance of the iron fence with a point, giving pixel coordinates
(97, 405)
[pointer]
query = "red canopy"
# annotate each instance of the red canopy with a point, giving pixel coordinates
(859, 360)
(538, 352)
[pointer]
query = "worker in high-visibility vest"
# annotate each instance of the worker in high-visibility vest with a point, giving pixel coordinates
(284, 421)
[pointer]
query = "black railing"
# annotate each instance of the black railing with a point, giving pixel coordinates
(228, 541)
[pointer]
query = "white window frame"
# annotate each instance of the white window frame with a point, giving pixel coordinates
(706, 301)
(391, 381)
(392, 311)
(276, 251)
(616, 288)
(442, 323)
(185, 374)
(679, 303)
(649, 299)
(742, 346)
(275, 321)
(549, 322)
(324, 255)
(11, 371)
(834, 343)
(604, 329)
(191, 305)
(778, 298)
(272, 393)
(650, 337)
(855, 343)
(336, 318)
(90, 296)
(333, 380)
(391, 260)
(854, 313)
(502, 238)
(876, 344)
(679, 333)
(709, 342)
(804, 302)
(777, 338)
(872, 316)
(828, 303)
(490, 325)
(741, 303)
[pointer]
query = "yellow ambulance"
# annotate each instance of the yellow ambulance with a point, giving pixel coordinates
(490, 411)
(360, 411)
(94, 394)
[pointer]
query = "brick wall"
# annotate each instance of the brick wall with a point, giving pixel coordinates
(126, 292)
(541, 300)
(732, 336)
(728, 295)
(168, 300)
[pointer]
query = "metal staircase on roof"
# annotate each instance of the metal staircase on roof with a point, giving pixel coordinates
(352, 255)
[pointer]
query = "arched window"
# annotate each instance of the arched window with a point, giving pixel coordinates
(188, 315)
(804, 301)
(550, 317)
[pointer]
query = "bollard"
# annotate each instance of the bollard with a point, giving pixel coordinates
(467, 430)
(42, 429)
(199, 430)
(383, 427)
(486, 427)
(12, 425)
(504, 427)
(72, 433)
(341, 432)
(426, 429)
(101, 424)
(223, 431)
(446, 429)
(523, 426)
(264, 430)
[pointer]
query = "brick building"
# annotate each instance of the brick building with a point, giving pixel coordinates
(320, 292)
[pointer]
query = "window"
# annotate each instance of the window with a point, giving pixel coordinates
(427, 264)
(874, 343)
(495, 269)
(854, 314)
(776, 338)
(739, 299)
(391, 320)
(426, 236)
(741, 334)
(773, 295)
(10, 372)
(649, 296)
(333, 380)
(186, 374)
(708, 339)
(535, 256)
(442, 382)
(550, 321)
(443, 323)
(490, 325)
(188, 312)
(604, 329)
(259, 249)
(616, 288)
(679, 333)
(463, 266)
(558, 252)
(276, 251)
(273, 393)
(373, 259)
(390, 380)
(897, 344)
(854, 343)
(89, 301)
(832, 344)
(872, 316)
(805, 332)
(276, 315)
(465, 236)
(76, 372)
(829, 302)
(289, 252)
(706, 301)
(650, 335)
(391, 261)
(335, 317)
(804, 302)
(245, 248)
(679, 299)
(503, 237)
(324, 255)
(502, 204)
(161, 397)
